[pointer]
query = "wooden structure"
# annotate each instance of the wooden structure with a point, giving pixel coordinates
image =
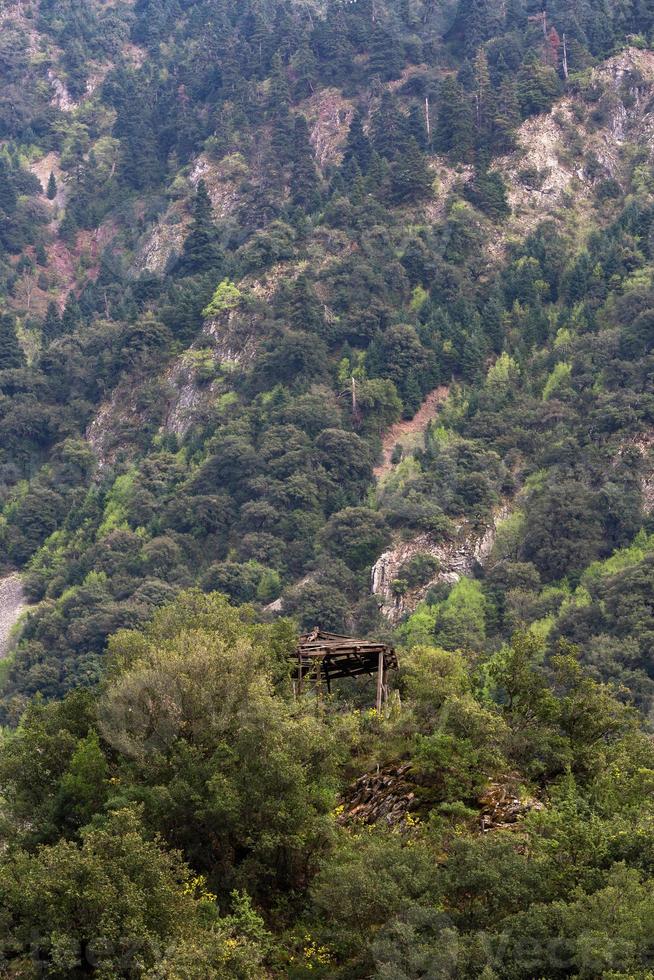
(325, 657)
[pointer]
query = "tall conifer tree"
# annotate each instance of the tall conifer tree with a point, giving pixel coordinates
(304, 177)
(11, 353)
(202, 251)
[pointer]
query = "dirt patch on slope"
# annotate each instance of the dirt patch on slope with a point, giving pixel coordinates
(406, 432)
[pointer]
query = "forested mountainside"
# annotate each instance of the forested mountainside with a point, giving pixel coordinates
(335, 313)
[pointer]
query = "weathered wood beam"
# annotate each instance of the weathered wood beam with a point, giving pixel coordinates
(380, 681)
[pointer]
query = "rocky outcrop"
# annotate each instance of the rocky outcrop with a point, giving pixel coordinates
(328, 116)
(391, 796)
(644, 445)
(162, 243)
(190, 397)
(12, 605)
(110, 433)
(61, 97)
(387, 795)
(221, 179)
(234, 337)
(549, 175)
(504, 804)
(458, 556)
(50, 163)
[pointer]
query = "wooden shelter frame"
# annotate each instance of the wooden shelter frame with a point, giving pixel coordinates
(324, 657)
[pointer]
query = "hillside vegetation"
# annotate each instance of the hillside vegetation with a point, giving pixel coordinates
(331, 313)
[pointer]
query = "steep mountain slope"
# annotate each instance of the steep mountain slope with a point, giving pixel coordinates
(562, 163)
(237, 234)
(342, 310)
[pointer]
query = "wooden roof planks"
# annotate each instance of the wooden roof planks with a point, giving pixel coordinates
(330, 656)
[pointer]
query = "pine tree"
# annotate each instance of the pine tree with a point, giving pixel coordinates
(304, 177)
(473, 354)
(306, 71)
(416, 126)
(52, 187)
(454, 127)
(260, 40)
(492, 319)
(52, 325)
(281, 139)
(279, 96)
(515, 15)
(378, 177)
(386, 58)
(482, 92)
(72, 315)
(488, 192)
(505, 120)
(357, 147)
(11, 353)
(538, 86)
(389, 128)
(305, 310)
(233, 83)
(412, 179)
(476, 21)
(69, 228)
(7, 193)
(202, 251)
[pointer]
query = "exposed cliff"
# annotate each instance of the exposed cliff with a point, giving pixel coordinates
(457, 557)
(12, 605)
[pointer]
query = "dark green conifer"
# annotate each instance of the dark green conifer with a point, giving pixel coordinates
(537, 86)
(357, 146)
(51, 192)
(7, 192)
(389, 129)
(11, 353)
(69, 228)
(386, 58)
(304, 177)
(279, 97)
(488, 192)
(52, 325)
(305, 308)
(378, 177)
(305, 68)
(454, 133)
(505, 117)
(416, 126)
(202, 251)
(72, 315)
(281, 139)
(411, 178)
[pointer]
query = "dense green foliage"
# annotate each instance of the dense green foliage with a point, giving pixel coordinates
(195, 743)
(261, 234)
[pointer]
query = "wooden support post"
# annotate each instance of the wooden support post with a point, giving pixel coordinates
(299, 677)
(318, 680)
(380, 680)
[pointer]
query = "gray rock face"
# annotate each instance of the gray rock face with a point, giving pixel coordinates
(12, 604)
(458, 557)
